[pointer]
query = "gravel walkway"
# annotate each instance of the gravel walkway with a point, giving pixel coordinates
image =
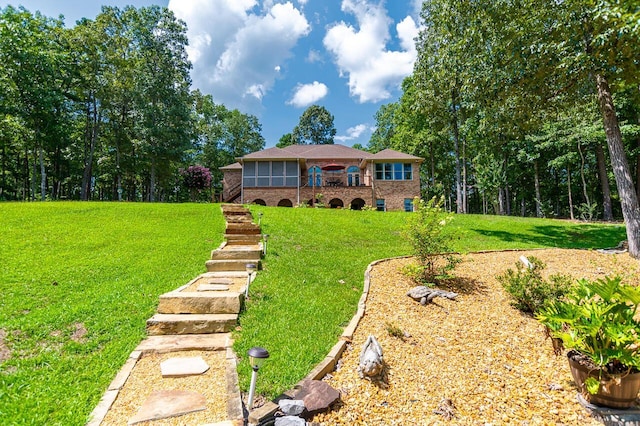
(477, 358)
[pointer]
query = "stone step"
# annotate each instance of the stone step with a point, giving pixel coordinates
(234, 209)
(214, 277)
(238, 252)
(212, 302)
(248, 229)
(162, 324)
(229, 265)
(185, 342)
(242, 239)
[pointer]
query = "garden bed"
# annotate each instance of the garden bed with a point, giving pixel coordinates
(477, 353)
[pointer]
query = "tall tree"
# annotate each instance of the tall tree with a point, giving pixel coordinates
(315, 127)
(162, 88)
(34, 66)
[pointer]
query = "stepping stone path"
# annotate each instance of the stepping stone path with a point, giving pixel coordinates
(198, 316)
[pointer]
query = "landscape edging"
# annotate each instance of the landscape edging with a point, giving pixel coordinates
(329, 363)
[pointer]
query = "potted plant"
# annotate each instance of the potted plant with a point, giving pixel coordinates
(596, 322)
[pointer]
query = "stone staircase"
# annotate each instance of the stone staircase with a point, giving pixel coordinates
(198, 316)
(212, 301)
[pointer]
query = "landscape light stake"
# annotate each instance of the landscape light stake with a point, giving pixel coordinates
(251, 268)
(259, 218)
(265, 237)
(257, 356)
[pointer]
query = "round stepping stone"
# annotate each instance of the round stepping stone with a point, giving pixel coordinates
(182, 367)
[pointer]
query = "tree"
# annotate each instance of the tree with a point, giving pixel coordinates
(34, 76)
(285, 140)
(162, 89)
(315, 127)
(223, 135)
(567, 44)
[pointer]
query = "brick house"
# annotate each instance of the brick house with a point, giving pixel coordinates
(336, 175)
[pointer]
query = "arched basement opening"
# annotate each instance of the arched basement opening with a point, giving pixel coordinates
(336, 203)
(357, 204)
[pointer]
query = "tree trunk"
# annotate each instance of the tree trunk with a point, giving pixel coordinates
(43, 174)
(607, 213)
(536, 183)
(465, 202)
(620, 165)
(570, 193)
(152, 181)
(456, 148)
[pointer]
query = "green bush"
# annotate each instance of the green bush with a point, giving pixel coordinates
(529, 290)
(431, 239)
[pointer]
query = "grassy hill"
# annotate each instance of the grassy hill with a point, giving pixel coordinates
(79, 280)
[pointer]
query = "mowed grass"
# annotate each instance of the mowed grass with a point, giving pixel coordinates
(314, 272)
(100, 267)
(77, 283)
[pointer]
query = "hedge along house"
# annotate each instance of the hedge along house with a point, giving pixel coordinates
(336, 175)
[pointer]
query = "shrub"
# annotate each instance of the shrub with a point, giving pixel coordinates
(529, 290)
(394, 330)
(196, 179)
(430, 237)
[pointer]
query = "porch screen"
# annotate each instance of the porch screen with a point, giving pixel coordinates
(270, 173)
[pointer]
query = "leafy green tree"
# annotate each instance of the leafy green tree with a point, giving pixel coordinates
(285, 140)
(223, 135)
(34, 74)
(386, 126)
(315, 127)
(162, 88)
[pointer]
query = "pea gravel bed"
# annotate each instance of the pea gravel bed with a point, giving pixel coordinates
(475, 360)
(146, 377)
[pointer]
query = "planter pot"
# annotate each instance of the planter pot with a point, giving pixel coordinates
(613, 393)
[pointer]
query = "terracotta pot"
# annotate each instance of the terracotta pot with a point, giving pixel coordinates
(613, 394)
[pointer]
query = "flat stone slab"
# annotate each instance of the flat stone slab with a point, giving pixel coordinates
(185, 342)
(213, 287)
(220, 281)
(183, 367)
(169, 403)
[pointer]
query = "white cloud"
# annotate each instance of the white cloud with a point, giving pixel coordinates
(353, 133)
(314, 56)
(236, 50)
(361, 54)
(307, 94)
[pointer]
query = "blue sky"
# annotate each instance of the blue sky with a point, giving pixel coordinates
(274, 58)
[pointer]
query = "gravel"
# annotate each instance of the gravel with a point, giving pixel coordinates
(472, 361)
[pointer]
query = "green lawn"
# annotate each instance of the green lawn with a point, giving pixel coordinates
(93, 266)
(100, 267)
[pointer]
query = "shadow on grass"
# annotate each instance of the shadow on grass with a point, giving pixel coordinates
(583, 236)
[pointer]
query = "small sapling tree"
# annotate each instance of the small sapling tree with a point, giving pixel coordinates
(431, 239)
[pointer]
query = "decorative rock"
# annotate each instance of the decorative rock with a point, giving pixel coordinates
(290, 421)
(169, 403)
(291, 407)
(181, 367)
(317, 395)
(371, 361)
(424, 294)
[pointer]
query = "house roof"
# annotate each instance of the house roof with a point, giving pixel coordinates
(328, 151)
(390, 154)
(234, 166)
